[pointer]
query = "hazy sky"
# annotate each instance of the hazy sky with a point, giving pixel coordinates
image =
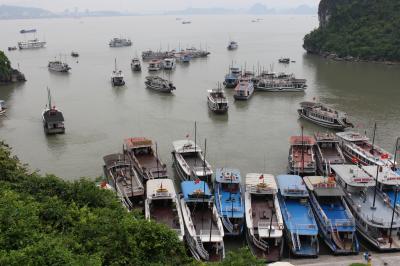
(150, 5)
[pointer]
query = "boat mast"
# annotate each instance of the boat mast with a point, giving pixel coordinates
(115, 64)
(302, 149)
(195, 142)
(373, 139)
(204, 182)
(49, 97)
(394, 210)
(158, 170)
(376, 187)
(396, 150)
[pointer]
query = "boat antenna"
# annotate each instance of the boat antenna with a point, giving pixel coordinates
(396, 150)
(195, 142)
(49, 97)
(373, 138)
(302, 149)
(204, 181)
(394, 210)
(115, 64)
(158, 170)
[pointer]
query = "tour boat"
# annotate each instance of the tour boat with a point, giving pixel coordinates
(120, 42)
(159, 84)
(162, 205)
(31, 44)
(327, 151)
(144, 158)
(169, 63)
(377, 220)
(189, 161)
(185, 58)
(229, 201)
(154, 65)
(359, 149)
(186, 22)
(324, 116)
(53, 119)
(58, 66)
(3, 107)
(301, 155)
(232, 78)
(300, 225)
(74, 54)
(276, 85)
(232, 45)
(27, 31)
(135, 64)
(335, 221)
(217, 101)
(244, 89)
(284, 60)
(264, 220)
(158, 55)
(117, 77)
(12, 48)
(125, 181)
(204, 232)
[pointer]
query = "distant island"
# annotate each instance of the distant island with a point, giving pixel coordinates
(356, 30)
(7, 73)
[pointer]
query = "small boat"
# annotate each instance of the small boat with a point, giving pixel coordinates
(58, 66)
(232, 45)
(301, 155)
(31, 44)
(162, 205)
(74, 54)
(232, 78)
(185, 58)
(117, 77)
(159, 84)
(229, 201)
(284, 60)
(169, 63)
(159, 55)
(144, 158)
(12, 48)
(186, 22)
(217, 101)
(124, 180)
(135, 65)
(27, 31)
(189, 161)
(377, 219)
(244, 89)
(324, 116)
(336, 223)
(327, 151)
(204, 232)
(3, 107)
(300, 225)
(264, 220)
(154, 65)
(120, 42)
(53, 119)
(359, 149)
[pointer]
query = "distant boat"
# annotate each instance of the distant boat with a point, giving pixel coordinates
(53, 119)
(169, 63)
(244, 89)
(301, 155)
(27, 31)
(58, 66)
(229, 200)
(284, 60)
(154, 65)
(117, 77)
(120, 42)
(3, 107)
(135, 65)
(74, 54)
(159, 84)
(186, 22)
(12, 48)
(232, 78)
(217, 101)
(31, 44)
(300, 225)
(233, 45)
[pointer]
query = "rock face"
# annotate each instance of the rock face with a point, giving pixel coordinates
(326, 9)
(7, 73)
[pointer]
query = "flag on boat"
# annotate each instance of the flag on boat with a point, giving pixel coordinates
(197, 180)
(261, 176)
(187, 136)
(354, 160)
(385, 156)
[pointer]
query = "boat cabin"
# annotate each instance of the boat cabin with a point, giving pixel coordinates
(301, 154)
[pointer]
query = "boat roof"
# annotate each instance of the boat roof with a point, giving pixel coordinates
(325, 137)
(291, 185)
(195, 192)
(302, 140)
(186, 145)
(353, 175)
(53, 115)
(137, 142)
(261, 183)
(352, 136)
(227, 175)
(323, 186)
(115, 159)
(386, 175)
(160, 188)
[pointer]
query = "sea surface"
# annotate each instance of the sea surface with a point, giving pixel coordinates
(253, 136)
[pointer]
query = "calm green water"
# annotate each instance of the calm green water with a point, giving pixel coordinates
(252, 137)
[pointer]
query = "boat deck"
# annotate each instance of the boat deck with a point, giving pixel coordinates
(130, 183)
(262, 210)
(336, 213)
(332, 155)
(149, 162)
(203, 219)
(299, 217)
(163, 212)
(302, 153)
(231, 203)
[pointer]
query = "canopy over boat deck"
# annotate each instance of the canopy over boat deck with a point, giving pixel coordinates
(139, 142)
(302, 140)
(227, 175)
(196, 191)
(291, 186)
(323, 186)
(261, 183)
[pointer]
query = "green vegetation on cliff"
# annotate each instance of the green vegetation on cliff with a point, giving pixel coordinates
(5, 67)
(365, 29)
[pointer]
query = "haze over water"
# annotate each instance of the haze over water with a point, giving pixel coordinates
(252, 137)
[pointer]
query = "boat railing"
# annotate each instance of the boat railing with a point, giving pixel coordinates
(268, 225)
(227, 223)
(305, 226)
(197, 244)
(261, 244)
(296, 241)
(207, 233)
(342, 222)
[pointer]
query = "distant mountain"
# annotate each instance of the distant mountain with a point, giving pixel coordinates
(260, 9)
(300, 10)
(17, 12)
(204, 11)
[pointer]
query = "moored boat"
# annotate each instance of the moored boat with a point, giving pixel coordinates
(117, 77)
(3, 107)
(58, 66)
(120, 42)
(135, 64)
(229, 201)
(169, 63)
(232, 45)
(377, 220)
(204, 232)
(53, 119)
(159, 84)
(232, 78)
(324, 116)
(144, 158)
(217, 101)
(284, 60)
(300, 225)
(264, 221)
(162, 205)
(74, 54)
(327, 151)
(31, 44)
(27, 31)
(244, 89)
(336, 223)
(154, 65)
(123, 178)
(189, 161)
(301, 155)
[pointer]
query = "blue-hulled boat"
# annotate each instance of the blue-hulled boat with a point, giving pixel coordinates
(335, 221)
(229, 201)
(300, 225)
(204, 231)
(232, 78)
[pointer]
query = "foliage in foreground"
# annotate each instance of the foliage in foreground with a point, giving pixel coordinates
(366, 29)
(5, 67)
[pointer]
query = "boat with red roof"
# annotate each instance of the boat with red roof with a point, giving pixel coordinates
(301, 155)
